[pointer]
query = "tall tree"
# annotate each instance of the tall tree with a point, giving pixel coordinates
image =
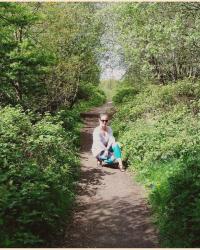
(160, 39)
(23, 64)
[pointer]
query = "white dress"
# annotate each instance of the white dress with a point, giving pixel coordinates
(101, 141)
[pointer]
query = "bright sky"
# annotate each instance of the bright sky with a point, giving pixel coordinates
(112, 62)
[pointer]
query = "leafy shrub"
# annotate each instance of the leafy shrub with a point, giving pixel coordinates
(124, 94)
(91, 96)
(178, 210)
(160, 133)
(154, 98)
(39, 168)
(36, 178)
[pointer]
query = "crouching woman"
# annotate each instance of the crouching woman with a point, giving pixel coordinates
(104, 146)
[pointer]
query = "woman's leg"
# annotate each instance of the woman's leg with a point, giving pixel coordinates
(118, 155)
(99, 162)
(102, 158)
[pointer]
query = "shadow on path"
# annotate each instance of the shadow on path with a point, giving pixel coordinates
(112, 223)
(111, 208)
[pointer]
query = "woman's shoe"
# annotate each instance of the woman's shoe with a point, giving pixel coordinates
(99, 164)
(122, 169)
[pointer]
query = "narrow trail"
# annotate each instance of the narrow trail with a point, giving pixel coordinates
(111, 208)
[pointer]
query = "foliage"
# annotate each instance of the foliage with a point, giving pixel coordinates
(89, 96)
(39, 169)
(47, 78)
(38, 165)
(75, 49)
(124, 93)
(173, 26)
(159, 131)
(158, 127)
(43, 69)
(24, 64)
(178, 210)
(109, 87)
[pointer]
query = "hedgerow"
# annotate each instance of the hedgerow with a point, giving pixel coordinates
(36, 177)
(39, 169)
(160, 136)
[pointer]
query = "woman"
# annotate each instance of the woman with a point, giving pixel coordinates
(104, 147)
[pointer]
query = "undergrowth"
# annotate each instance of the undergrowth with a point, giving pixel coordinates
(39, 169)
(159, 130)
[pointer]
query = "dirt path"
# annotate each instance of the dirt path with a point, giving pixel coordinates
(110, 209)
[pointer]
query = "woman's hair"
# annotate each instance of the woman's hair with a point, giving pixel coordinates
(103, 114)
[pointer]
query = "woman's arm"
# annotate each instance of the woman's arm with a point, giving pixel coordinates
(111, 140)
(97, 140)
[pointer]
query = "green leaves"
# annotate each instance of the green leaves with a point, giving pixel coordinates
(159, 40)
(159, 128)
(75, 49)
(48, 60)
(42, 69)
(38, 167)
(24, 64)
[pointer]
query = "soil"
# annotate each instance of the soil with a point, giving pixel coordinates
(111, 209)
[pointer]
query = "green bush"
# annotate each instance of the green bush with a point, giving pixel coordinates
(39, 167)
(154, 99)
(159, 131)
(176, 203)
(124, 94)
(91, 96)
(36, 178)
